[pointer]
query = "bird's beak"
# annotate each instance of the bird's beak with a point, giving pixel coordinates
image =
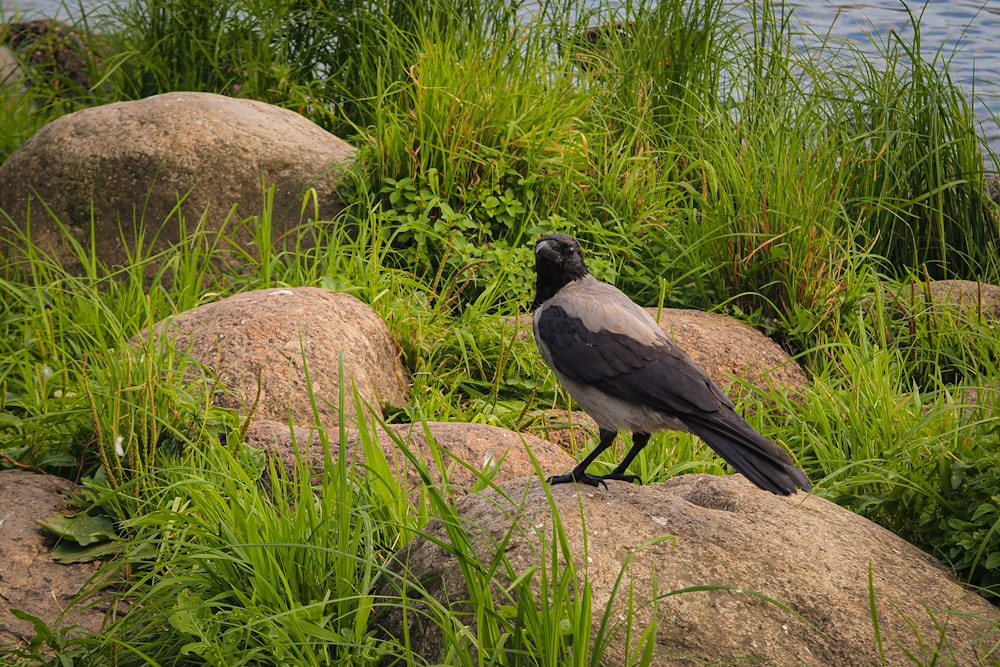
(546, 250)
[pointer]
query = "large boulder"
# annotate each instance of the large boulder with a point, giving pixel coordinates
(261, 346)
(124, 167)
(503, 454)
(742, 576)
(29, 579)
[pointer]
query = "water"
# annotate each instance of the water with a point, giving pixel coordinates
(964, 30)
(53, 9)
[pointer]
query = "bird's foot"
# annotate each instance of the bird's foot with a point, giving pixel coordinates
(593, 480)
(580, 477)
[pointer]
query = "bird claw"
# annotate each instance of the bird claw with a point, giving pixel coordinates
(623, 477)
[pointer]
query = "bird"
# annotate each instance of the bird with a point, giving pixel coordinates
(618, 365)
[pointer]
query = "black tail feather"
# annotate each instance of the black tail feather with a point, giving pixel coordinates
(760, 460)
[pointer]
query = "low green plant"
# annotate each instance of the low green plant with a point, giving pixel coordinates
(963, 530)
(220, 568)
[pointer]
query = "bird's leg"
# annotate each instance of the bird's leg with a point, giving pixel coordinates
(579, 473)
(639, 440)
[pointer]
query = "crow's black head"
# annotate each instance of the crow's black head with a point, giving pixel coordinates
(558, 261)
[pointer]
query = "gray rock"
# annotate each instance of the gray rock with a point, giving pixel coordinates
(129, 163)
(727, 349)
(267, 340)
(730, 350)
(58, 50)
(795, 572)
(10, 73)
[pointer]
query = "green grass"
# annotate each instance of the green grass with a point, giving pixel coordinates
(703, 162)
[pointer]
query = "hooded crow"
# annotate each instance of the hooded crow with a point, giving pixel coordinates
(616, 362)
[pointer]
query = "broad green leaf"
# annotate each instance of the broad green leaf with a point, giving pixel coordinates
(67, 552)
(84, 529)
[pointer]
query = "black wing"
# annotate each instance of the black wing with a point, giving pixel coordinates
(658, 375)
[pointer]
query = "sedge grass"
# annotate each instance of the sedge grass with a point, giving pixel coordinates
(220, 569)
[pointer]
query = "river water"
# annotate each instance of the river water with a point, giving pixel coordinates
(966, 31)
